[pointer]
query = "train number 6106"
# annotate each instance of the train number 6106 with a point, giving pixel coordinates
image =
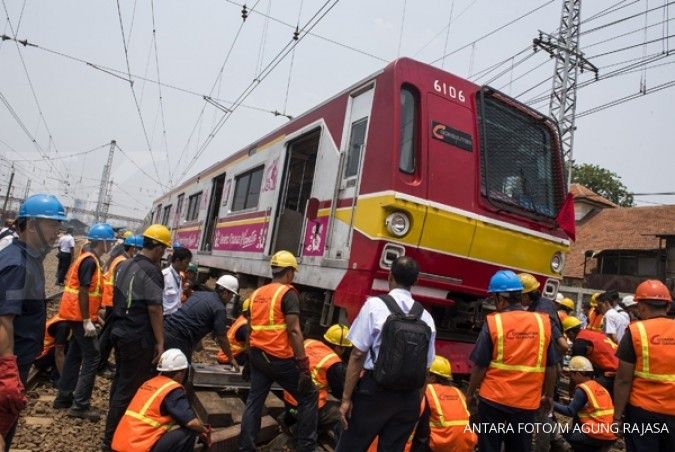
(449, 90)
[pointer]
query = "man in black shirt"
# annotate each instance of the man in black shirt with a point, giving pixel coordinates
(202, 313)
(138, 329)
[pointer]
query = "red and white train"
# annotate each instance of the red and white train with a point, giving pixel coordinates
(411, 160)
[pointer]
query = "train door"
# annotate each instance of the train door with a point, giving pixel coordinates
(212, 212)
(296, 190)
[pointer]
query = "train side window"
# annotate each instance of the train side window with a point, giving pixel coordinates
(179, 205)
(356, 141)
(158, 214)
(247, 189)
(166, 215)
(408, 130)
(193, 206)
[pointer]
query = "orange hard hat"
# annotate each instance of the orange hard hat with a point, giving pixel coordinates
(652, 290)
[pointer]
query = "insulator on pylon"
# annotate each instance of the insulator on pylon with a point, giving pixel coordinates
(244, 13)
(296, 33)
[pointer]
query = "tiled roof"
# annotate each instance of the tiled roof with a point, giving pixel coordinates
(624, 228)
(582, 192)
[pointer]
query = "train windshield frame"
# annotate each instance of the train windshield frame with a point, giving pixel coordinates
(520, 157)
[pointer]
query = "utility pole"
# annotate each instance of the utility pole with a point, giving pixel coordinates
(27, 192)
(569, 60)
(9, 190)
(103, 202)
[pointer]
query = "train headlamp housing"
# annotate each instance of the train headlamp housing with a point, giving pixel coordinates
(558, 263)
(397, 224)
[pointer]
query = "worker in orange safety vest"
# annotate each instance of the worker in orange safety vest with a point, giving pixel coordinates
(443, 425)
(513, 374)
(157, 407)
(277, 353)
(328, 374)
(55, 346)
(237, 334)
(79, 306)
(595, 314)
(590, 407)
(644, 389)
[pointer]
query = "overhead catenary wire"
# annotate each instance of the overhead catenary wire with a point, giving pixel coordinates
(159, 90)
(627, 98)
(135, 98)
(63, 156)
(290, 66)
(309, 25)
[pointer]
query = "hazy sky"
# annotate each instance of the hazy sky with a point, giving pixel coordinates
(85, 108)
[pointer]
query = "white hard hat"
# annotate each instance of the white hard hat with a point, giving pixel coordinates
(579, 364)
(172, 360)
(628, 301)
(229, 282)
(559, 297)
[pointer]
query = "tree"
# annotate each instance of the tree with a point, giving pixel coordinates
(604, 182)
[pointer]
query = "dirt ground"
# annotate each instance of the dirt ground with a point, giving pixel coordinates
(43, 428)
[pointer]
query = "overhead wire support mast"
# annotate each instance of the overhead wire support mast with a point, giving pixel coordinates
(103, 202)
(569, 60)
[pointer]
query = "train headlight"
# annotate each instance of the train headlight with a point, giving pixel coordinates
(557, 263)
(397, 224)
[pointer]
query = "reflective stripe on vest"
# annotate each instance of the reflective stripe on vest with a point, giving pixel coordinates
(109, 281)
(603, 357)
(272, 326)
(595, 411)
(69, 309)
(597, 414)
(645, 373)
(439, 411)
(498, 362)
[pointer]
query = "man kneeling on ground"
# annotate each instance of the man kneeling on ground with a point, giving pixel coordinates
(159, 404)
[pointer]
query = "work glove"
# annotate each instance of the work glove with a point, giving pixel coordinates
(89, 328)
(12, 395)
(205, 436)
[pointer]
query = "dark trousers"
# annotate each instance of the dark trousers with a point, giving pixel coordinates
(178, 440)
(581, 442)
(105, 340)
(133, 361)
(389, 415)
(64, 263)
(507, 422)
(265, 370)
(79, 369)
(649, 440)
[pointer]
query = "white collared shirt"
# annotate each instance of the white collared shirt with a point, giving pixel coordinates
(173, 288)
(616, 321)
(366, 330)
(66, 242)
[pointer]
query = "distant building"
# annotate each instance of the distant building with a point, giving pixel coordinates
(618, 247)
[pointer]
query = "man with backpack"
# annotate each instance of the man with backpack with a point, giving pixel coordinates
(393, 346)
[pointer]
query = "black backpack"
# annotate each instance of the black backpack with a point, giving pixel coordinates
(401, 364)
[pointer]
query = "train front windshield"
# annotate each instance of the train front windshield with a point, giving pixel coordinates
(519, 155)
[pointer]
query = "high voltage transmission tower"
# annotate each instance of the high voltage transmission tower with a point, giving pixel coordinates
(104, 191)
(569, 60)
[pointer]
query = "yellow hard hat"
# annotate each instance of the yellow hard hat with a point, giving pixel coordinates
(127, 234)
(284, 259)
(567, 302)
(579, 364)
(529, 282)
(159, 233)
(570, 322)
(594, 299)
(441, 367)
(246, 305)
(337, 335)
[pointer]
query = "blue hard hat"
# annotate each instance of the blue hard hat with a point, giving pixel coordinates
(138, 241)
(42, 206)
(101, 231)
(505, 281)
(177, 244)
(130, 241)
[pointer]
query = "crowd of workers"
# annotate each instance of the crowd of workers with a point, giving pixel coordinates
(377, 385)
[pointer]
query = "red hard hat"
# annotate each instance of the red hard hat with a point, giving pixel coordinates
(652, 289)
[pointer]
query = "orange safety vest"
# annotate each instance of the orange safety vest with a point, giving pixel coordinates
(187, 291)
(603, 357)
(49, 339)
(109, 281)
(515, 376)
(562, 315)
(143, 424)
(594, 321)
(237, 347)
(448, 418)
(321, 358)
(70, 301)
(268, 322)
(654, 375)
(597, 415)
